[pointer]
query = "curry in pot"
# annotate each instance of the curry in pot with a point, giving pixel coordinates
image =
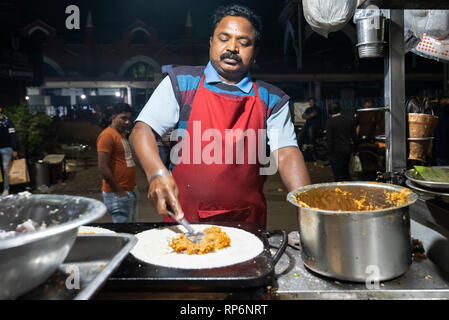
(351, 198)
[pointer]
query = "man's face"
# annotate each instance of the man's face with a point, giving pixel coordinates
(232, 48)
(368, 104)
(311, 102)
(122, 121)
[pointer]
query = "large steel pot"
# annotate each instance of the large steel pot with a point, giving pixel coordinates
(28, 259)
(356, 246)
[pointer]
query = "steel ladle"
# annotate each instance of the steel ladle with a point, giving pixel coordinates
(192, 234)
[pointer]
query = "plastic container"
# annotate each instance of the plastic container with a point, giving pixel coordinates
(42, 173)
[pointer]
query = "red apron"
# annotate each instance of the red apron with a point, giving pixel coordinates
(211, 190)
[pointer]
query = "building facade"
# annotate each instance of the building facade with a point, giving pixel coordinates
(94, 74)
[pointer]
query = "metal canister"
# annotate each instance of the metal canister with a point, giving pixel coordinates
(356, 246)
(42, 173)
(370, 36)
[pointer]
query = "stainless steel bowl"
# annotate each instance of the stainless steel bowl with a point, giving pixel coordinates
(28, 259)
(356, 246)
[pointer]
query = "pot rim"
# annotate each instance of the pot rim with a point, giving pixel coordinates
(413, 197)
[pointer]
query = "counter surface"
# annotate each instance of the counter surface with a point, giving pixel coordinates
(426, 278)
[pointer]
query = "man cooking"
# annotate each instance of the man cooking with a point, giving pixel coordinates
(216, 110)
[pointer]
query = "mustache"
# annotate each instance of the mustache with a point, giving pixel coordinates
(230, 55)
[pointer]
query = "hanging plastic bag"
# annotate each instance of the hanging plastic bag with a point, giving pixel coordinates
(368, 12)
(432, 48)
(356, 164)
(325, 16)
(433, 23)
(410, 40)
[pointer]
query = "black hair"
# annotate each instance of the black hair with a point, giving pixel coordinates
(236, 10)
(312, 98)
(334, 108)
(120, 108)
(368, 100)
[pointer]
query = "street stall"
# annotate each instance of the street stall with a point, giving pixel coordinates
(331, 272)
(356, 240)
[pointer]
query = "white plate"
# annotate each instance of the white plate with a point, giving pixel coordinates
(413, 175)
(416, 187)
(86, 230)
(152, 247)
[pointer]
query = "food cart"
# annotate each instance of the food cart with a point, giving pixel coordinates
(279, 271)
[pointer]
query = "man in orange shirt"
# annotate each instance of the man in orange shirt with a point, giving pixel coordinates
(117, 166)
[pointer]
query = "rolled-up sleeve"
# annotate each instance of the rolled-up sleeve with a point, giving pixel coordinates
(161, 112)
(280, 129)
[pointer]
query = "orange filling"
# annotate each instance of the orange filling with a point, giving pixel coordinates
(214, 239)
(397, 198)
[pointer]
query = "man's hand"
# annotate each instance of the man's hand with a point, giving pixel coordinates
(162, 191)
(122, 193)
(163, 194)
(105, 170)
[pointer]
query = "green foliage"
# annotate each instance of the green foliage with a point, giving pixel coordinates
(141, 71)
(433, 174)
(34, 131)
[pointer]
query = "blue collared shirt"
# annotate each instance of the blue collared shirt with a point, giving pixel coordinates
(211, 76)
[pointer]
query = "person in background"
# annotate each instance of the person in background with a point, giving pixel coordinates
(312, 115)
(367, 122)
(117, 166)
(340, 131)
(442, 132)
(8, 147)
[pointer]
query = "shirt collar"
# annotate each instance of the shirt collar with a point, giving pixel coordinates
(211, 76)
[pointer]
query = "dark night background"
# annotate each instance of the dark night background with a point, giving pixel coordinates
(167, 18)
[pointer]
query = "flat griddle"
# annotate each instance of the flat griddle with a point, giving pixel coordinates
(134, 274)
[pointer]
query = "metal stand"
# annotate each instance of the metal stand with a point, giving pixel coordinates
(394, 78)
(386, 108)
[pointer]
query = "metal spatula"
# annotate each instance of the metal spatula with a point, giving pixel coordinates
(194, 236)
